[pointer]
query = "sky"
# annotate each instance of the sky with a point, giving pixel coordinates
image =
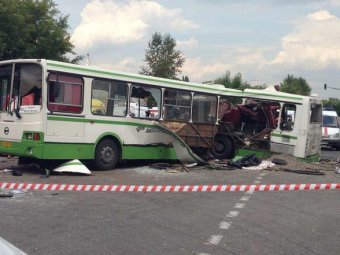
(264, 40)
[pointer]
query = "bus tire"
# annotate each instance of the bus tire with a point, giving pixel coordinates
(223, 147)
(106, 155)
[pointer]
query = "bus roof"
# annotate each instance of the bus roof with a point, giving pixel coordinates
(93, 71)
(271, 94)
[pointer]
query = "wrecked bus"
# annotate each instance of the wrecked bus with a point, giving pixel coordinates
(52, 110)
(279, 122)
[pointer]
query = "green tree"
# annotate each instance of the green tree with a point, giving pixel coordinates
(185, 78)
(162, 59)
(235, 82)
(295, 85)
(34, 29)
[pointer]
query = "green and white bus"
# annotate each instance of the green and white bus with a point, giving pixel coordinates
(58, 111)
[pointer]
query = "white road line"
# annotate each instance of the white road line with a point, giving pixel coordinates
(239, 205)
(215, 239)
(232, 214)
(262, 174)
(225, 225)
(257, 182)
(249, 192)
(259, 178)
(244, 198)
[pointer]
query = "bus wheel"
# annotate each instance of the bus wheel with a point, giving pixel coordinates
(223, 147)
(107, 155)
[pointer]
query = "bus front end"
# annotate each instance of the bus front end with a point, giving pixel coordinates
(21, 116)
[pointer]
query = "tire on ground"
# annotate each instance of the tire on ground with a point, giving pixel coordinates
(106, 155)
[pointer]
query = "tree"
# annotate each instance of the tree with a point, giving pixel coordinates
(34, 29)
(294, 85)
(235, 82)
(161, 57)
(185, 78)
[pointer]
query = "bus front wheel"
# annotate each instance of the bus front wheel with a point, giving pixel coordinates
(107, 155)
(223, 147)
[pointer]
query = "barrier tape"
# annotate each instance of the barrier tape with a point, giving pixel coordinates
(169, 188)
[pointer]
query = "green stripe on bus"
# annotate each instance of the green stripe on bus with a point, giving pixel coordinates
(80, 119)
(284, 136)
(144, 78)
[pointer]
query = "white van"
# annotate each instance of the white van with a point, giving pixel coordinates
(330, 128)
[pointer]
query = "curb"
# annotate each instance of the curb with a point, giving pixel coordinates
(169, 188)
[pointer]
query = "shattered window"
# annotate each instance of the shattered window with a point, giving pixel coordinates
(204, 108)
(176, 105)
(144, 102)
(109, 98)
(288, 115)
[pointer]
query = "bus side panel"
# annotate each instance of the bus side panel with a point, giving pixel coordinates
(288, 141)
(139, 139)
(64, 138)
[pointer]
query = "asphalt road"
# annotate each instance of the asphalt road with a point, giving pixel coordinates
(330, 153)
(277, 222)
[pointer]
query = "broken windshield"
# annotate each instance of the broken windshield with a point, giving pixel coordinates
(26, 84)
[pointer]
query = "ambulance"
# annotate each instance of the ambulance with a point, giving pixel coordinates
(330, 128)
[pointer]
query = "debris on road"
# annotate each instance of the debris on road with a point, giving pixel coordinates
(5, 193)
(74, 167)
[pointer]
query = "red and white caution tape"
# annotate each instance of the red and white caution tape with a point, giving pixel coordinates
(169, 188)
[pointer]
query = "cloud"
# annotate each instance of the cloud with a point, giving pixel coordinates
(314, 45)
(199, 70)
(189, 43)
(110, 21)
(128, 64)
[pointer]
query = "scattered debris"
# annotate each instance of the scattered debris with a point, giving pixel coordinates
(5, 193)
(337, 170)
(16, 172)
(310, 172)
(278, 161)
(249, 160)
(265, 164)
(73, 166)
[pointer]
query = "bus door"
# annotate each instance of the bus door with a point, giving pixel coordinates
(284, 139)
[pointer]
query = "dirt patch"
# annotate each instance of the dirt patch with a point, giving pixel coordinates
(294, 163)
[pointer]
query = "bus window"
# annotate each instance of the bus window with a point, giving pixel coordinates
(65, 93)
(204, 108)
(176, 105)
(142, 99)
(109, 98)
(288, 115)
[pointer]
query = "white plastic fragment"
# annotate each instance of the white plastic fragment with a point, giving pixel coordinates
(73, 166)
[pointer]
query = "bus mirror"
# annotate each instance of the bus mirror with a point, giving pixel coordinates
(325, 86)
